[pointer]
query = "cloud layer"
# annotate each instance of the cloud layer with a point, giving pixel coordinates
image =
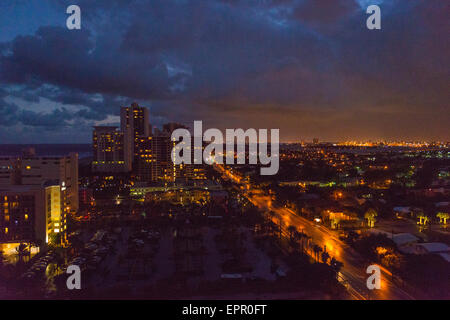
(308, 67)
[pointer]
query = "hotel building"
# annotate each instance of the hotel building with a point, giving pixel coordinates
(31, 214)
(119, 150)
(134, 123)
(36, 194)
(135, 149)
(35, 171)
(153, 163)
(108, 150)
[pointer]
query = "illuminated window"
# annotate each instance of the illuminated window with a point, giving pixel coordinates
(6, 230)
(26, 217)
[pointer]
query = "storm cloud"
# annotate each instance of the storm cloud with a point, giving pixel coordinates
(310, 68)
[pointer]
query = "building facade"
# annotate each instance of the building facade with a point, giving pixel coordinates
(109, 150)
(134, 123)
(30, 214)
(135, 149)
(36, 171)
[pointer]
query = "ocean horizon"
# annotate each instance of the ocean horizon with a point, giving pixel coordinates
(57, 149)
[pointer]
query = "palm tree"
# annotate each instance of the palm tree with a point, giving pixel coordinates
(370, 216)
(325, 257)
(336, 265)
(302, 237)
(272, 225)
(22, 251)
(308, 243)
(56, 239)
(443, 216)
(423, 218)
(317, 249)
(2, 259)
(292, 232)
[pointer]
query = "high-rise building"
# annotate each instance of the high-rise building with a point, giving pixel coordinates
(145, 164)
(134, 123)
(108, 150)
(154, 162)
(183, 172)
(135, 149)
(162, 147)
(118, 150)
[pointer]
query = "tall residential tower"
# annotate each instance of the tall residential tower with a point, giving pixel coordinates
(134, 123)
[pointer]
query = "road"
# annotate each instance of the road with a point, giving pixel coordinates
(353, 274)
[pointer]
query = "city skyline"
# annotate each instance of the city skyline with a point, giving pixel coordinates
(312, 70)
(187, 153)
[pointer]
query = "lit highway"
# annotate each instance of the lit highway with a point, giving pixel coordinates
(353, 273)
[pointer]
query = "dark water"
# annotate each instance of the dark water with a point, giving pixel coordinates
(84, 150)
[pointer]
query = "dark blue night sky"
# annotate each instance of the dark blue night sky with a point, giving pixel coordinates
(308, 67)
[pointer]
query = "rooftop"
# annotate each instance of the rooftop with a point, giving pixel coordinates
(435, 247)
